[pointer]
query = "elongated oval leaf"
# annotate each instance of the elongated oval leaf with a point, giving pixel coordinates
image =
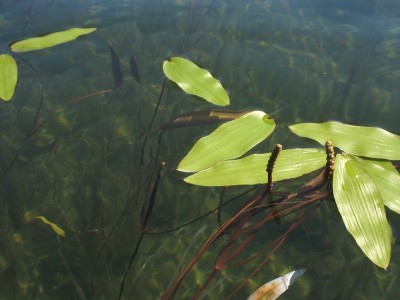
(57, 229)
(49, 40)
(134, 69)
(230, 140)
(273, 289)
(202, 118)
(195, 81)
(115, 65)
(361, 207)
(358, 140)
(8, 76)
(387, 180)
(250, 170)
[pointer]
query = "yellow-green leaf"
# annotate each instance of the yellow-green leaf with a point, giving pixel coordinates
(53, 226)
(361, 206)
(230, 140)
(387, 180)
(250, 170)
(49, 40)
(357, 140)
(8, 76)
(195, 81)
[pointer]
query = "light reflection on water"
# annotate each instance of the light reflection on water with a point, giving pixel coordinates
(305, 60)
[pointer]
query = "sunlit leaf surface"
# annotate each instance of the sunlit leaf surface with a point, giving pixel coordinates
(273, 289)
(195, 81)
(387, 180)
(49, 40)
(8, 76)
(291, 163)
(357, 140)
(53, 226)
(230, 140)
(361, 207)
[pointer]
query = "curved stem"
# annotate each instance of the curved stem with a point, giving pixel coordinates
(121, 289)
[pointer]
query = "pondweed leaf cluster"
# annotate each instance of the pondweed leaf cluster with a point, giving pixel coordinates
(364, 179)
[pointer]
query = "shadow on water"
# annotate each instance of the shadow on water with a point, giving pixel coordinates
(81, 144)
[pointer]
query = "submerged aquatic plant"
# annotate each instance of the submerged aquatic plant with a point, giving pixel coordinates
(358, 192)
(223, 158)
(57, 229)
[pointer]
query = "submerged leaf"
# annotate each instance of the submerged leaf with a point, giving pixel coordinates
(387, 180)
(230, 140)
(49, 40)
(195, 81)
(273, 289)
(250, 170)
(8, 76)
(203, 118)
(53, 226)
(361, 207)
(357, 140)
(134, 69)
(115, 66)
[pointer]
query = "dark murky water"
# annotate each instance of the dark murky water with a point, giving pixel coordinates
(71, 149)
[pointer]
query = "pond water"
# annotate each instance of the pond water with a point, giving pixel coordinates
(84, 154)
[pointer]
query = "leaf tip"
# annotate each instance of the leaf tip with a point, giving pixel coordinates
(268, 120)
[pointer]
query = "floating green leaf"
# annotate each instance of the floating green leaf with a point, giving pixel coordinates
(230, 140)
(8, 76)
(358, 140)
(361, 207)
(49, 40)
(53, 226)
(387, 180)
(195, 81)
(291, 163)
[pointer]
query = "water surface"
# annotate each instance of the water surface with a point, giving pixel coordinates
(71, 149)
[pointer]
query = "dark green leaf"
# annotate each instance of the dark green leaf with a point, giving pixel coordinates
(115, 65)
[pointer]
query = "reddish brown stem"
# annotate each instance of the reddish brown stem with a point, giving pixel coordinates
(279, 242)
(169, 294)
(205, 284)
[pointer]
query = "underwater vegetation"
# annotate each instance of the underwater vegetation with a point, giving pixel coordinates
(147, 175)
(360, 187)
